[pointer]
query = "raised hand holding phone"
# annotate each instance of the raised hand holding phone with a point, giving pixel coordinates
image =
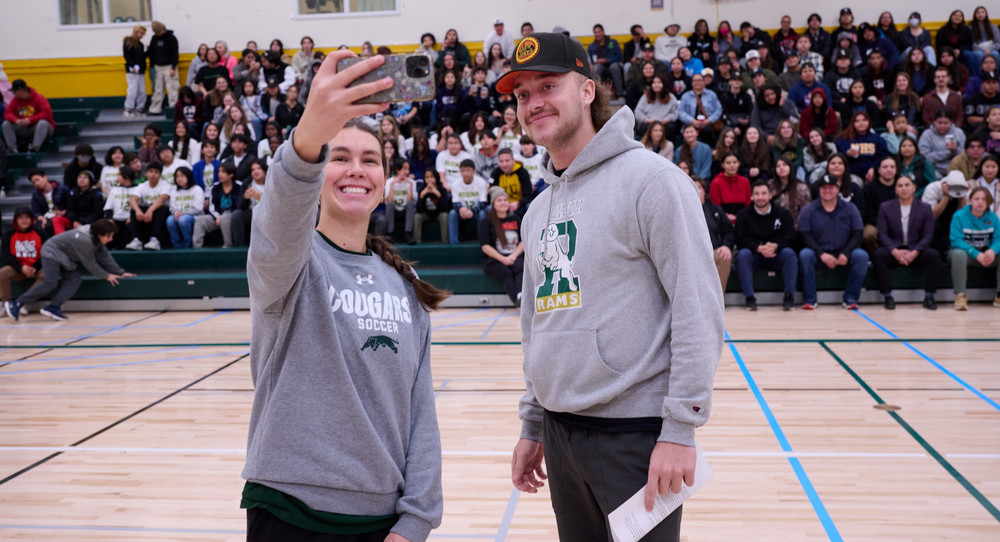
(332, 102)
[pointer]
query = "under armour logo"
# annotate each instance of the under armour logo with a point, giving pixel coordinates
(364, 280)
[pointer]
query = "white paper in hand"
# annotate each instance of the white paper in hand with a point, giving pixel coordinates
(630, 521)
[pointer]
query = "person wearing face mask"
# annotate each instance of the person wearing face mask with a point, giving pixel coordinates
(83, 160)
(916, 36)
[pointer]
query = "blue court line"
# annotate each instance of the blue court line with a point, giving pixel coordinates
(219, 313)
(111, 329)
(930, 360)
(800, 473)
(125, 364)
(102, 356)
(508, 515)
(495, 320)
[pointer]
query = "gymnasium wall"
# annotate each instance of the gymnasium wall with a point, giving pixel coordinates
(86, 61)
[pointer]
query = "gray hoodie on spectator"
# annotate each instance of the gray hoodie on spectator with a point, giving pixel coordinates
(622, 315)
(933, 147)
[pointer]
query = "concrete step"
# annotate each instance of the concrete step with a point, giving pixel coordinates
(116, 116)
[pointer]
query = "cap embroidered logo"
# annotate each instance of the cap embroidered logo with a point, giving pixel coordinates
(578, 63)
(526, 50)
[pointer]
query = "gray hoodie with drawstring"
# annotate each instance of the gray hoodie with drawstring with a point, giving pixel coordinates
(622, 314)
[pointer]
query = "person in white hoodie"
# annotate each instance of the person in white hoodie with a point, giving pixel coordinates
(668, 44)
(619, 236)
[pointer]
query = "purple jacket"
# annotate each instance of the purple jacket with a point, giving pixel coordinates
(890, 225)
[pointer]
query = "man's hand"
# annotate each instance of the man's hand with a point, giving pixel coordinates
(829, 260)
(127, 275)
(526, 466)
(900, 255)
(842, 259)
(113, 279)
(465, 213)
(669, 465)
(394, 537)
(28, 271)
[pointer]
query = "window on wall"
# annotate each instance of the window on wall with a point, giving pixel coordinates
(91, 12)
(335, 7)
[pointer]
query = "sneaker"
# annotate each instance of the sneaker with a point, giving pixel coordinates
(850, 305)
(890, 303)
(54, 313)
(929, 303)
(127, 113)
(13, 309)
(134, 244)
(961, 303)
(751, 303)
(788, 303)
(153, 244)
(996, 301)
(808, 306)
(24, 310)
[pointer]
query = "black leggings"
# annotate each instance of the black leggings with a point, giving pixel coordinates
(509, 276)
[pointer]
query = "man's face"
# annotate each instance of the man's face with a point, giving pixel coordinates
(990, 88)
(83, 182)
(747, 32)
(153, 176)
(599, 34)
(940, 79)
(249, 60)
(843, 63)
(802, 45)
(672, 30)
(487, 142)
(41, 182)
(761, 197)
(467, 174)
(828, 192)
(639, 33)
(454, 145)
(697, 83)
(904, 188)
(498, 28)
(506, 162)
(551, 107)
(238, 147)
(887, 169)
(786, 23)
(875, 59)
(22, 94)
(647, 54)
(792, 61)
(975, 151)
(814, 23)
(526, 30)
(736, 85)
(808, 75)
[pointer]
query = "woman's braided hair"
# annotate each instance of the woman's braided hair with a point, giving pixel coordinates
(429, 296)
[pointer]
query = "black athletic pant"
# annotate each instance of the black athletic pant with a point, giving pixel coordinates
(929, 259)
(592, 472)
(144, 230)
(68, 282)
(509, 276)
(263, 526)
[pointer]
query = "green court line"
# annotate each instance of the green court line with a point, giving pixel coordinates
(920, 440)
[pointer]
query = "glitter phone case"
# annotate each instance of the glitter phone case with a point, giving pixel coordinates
(413, 76)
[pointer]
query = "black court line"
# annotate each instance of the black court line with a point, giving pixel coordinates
(973, 491)
(119, 422)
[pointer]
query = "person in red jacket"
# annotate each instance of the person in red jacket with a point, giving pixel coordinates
(27, 115)
(19, 253)
(729, 189)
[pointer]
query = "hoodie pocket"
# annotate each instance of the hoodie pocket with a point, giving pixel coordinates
(566, 369)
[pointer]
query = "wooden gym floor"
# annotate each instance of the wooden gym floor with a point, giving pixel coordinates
(826, 426)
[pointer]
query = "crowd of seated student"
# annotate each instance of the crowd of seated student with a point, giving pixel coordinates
(854, 109)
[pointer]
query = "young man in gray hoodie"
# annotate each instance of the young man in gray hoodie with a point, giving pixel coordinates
(622, 314)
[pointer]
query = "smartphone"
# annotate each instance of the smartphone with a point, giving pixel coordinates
(413, 75)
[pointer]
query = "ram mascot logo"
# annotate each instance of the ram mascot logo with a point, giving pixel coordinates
(561, 287)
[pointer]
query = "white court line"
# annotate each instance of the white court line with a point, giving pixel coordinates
(485, 453)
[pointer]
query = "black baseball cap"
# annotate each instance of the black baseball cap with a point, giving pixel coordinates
(545, 52)
(826, 179)
(18, 84)
(989, 76)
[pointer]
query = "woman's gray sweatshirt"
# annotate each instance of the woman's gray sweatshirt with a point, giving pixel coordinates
(343, 414)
